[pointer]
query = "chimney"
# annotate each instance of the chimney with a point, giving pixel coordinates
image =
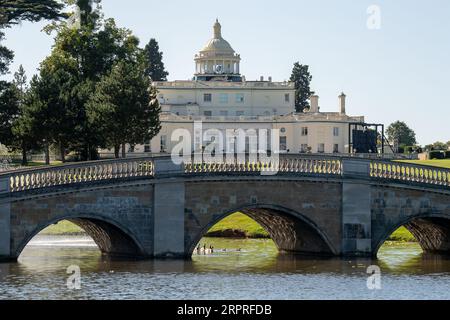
(314, 103)
(342, 103)
(262, 78)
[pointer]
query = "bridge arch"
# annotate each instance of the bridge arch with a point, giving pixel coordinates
(291, 231)
(112, 238)
(432, 232)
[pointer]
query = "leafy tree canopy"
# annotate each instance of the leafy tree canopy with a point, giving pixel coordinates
(14, 11)
(154, 64)
(124, 106)
(402, 134)
(302, 80)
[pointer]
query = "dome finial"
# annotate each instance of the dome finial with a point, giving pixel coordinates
(217, 30)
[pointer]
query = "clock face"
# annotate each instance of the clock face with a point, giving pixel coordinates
(219, 68)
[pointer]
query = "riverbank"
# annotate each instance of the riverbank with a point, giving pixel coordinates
(237, 225)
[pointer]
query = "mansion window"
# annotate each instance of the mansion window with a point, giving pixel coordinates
(207, 97)
(207, 113)
(286, 97)
(335, 148)
(303, 148)
(283, 143)
(163, 143)
(321, 148)
(239, 97)
(239, 113)
(304, 131)
(224, 113)
(223, 98)
(336, 131)
(147, 146)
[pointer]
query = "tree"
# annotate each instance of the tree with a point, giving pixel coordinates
(124, 106)
(9, 109)
(8, 97)
(93, 47)
(14, 11)
(302, 80)
(49, 111)
(154, 64)
(6, 56)
(15, 130)
(401, 134)
(437, 146)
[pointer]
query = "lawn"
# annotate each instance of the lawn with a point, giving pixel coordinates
(240, 225)
(434, 163)
(63, 228)
(42, 163)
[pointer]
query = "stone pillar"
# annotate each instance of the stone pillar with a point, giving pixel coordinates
(169, 203)
(5, 219)
(356, 209)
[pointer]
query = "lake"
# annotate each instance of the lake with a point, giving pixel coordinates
(237, 269)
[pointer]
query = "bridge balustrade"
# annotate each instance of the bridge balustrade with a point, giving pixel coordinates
(409, 172)
(311, 165)
(83, 172)
(285, 164)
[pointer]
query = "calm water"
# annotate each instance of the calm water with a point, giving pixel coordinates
(254, 272)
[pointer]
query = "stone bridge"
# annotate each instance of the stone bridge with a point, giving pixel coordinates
(150, 207)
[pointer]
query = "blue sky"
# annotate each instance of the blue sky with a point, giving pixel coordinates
(398, 72)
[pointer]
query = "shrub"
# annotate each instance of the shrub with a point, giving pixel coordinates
(436, 155)
(447, 154)
(412, 149)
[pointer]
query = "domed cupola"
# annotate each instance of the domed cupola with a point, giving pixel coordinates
(217, 60)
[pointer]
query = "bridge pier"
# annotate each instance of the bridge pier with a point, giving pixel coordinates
(356, 209)
(5, 220)
(168, 210)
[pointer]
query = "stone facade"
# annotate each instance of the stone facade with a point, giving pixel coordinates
(425, 214)
(166, 216)
(119, 219)
(297, 204)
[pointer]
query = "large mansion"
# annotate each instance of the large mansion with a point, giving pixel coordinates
(221, 98)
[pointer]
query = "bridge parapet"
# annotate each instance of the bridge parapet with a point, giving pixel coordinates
(162, 166)
(37, 178)
(296, 164)
(408, 172)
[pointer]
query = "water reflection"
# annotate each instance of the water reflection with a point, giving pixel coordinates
(256, 271)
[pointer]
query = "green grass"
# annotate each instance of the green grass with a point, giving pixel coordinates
(32, 164)
(62, 228)
(445, 163)
(403, 235)
(239, 222)
(42, 163)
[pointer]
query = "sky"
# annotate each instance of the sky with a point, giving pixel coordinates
(390, 57)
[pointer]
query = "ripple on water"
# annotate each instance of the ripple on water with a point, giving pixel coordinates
(256, 271)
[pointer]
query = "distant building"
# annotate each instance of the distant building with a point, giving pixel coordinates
(220, 97)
